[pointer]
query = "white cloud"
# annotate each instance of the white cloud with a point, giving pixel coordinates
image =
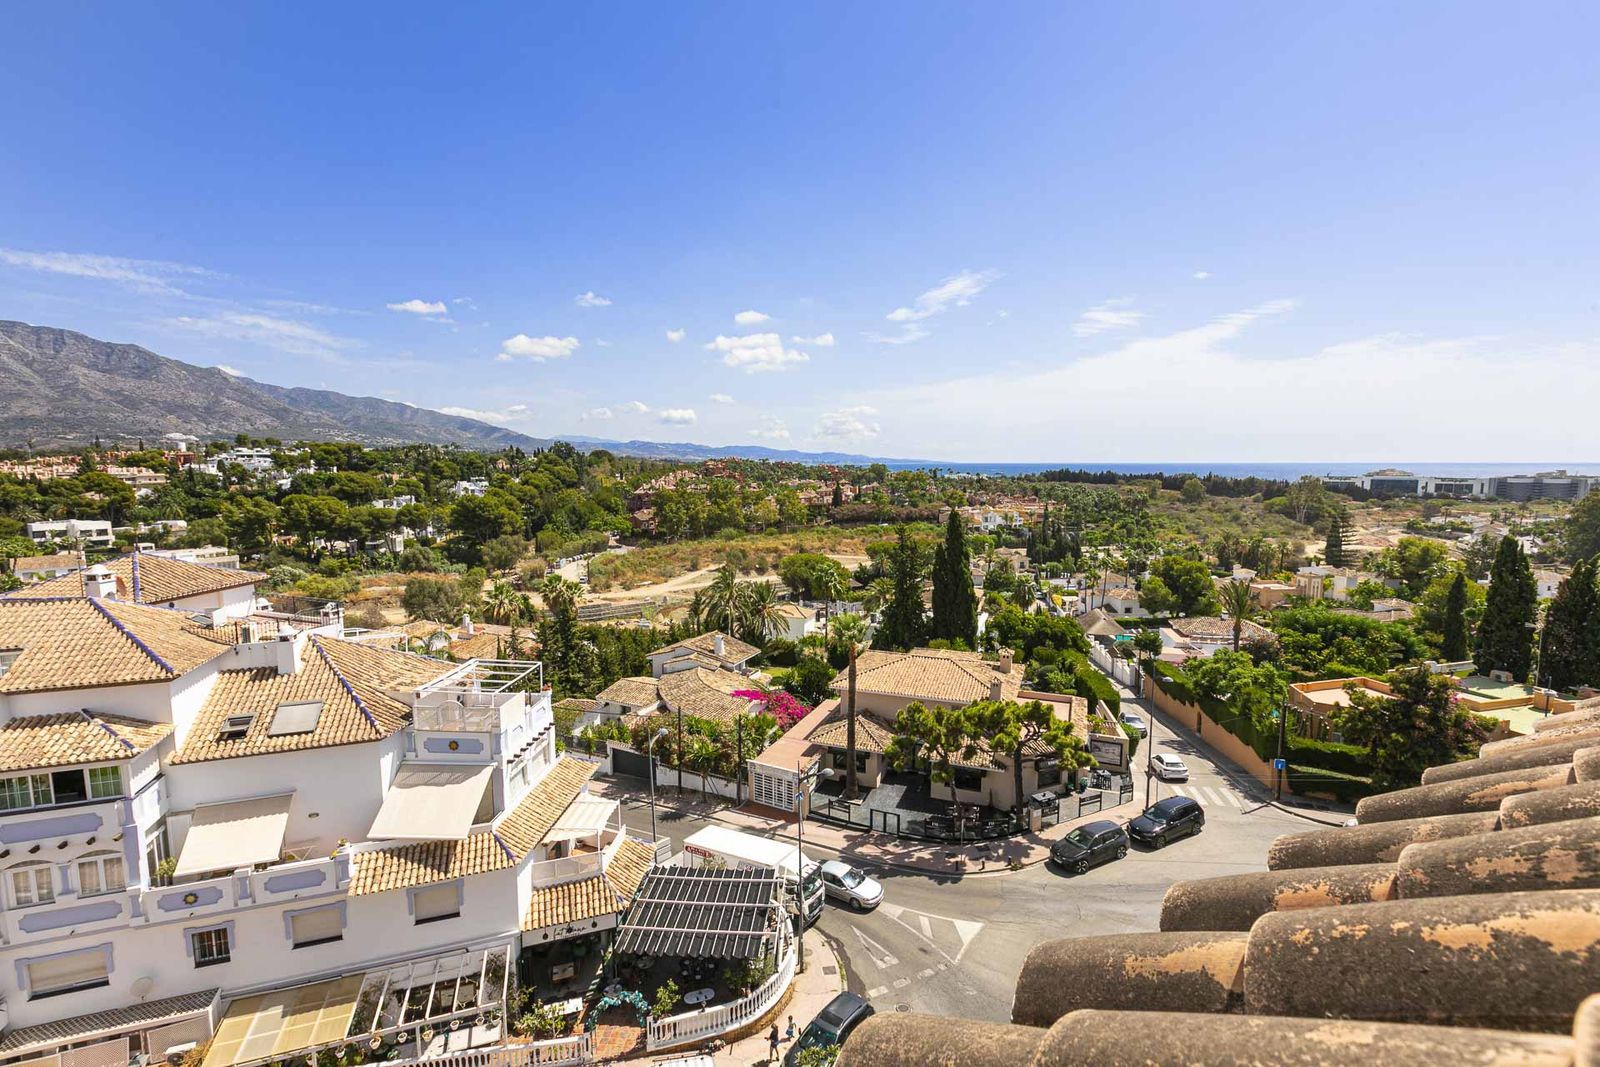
(955, 291)
(591, 299)
(1201, 275)
(751, 318)
(772, 428)
(849, 424)
(286, 335)
(419, 307)
(1112, 315)
(676, 335)
(146, 275)
(634, 407)
(720, 398)
(597, 415)
(756, 352)
(821, 340)
(514, 413)
(537, 349)
(678, 416)
(517, 409)
(232, 372)
(911, 331)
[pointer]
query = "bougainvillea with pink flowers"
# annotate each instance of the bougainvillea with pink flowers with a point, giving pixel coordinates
(781, 705)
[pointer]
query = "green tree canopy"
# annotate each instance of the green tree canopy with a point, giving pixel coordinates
(1420, 726)
(955, 604)
(1505, 636)
(1189, 584)
(903, 624)
(1565, 654)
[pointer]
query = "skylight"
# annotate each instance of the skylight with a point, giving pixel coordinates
(295, 718)
(8, 656)
(235, 727)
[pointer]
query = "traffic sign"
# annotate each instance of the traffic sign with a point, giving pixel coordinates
(1280, 764)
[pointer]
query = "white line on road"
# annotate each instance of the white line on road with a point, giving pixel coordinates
(925, 973)
(881, 956)
(927, 927)
(901, 983)
(874, 994)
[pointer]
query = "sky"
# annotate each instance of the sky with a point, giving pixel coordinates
(965, 232)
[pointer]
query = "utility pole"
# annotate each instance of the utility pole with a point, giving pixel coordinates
(680, 751)
(1279, 766)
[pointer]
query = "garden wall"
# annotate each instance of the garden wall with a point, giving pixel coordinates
(1213, 735)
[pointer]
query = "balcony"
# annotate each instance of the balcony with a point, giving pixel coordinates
(482, 696)
(244, 888)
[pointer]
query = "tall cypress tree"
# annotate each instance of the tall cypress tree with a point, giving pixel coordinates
(1334, 551)
(955, 605)
(1455, 646)
(1505, 636)
(902, 625)
(1564, 655)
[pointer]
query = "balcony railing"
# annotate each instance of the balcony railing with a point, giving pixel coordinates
(282, 882)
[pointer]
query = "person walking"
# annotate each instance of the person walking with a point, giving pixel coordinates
(790, 1035)
(772, 1044)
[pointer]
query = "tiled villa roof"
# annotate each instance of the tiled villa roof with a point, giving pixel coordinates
(1458, 922)
(590, 898)
(146, 579)
(733, 649)
(930, 674)
(513, 837)
(633, 692)
(1216, 628)
(706, 694)
(37, 742)
(79, 643)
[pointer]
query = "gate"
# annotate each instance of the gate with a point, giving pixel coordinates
(627, 761)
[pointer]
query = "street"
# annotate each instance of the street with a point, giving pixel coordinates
(954, 946)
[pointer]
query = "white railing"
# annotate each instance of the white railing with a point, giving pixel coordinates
(710, 1022)
(566, 869)
(559, 1052)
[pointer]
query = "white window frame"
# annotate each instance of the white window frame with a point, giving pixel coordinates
(95, 790)
(40, 793)
(27, 889)
(102, 864)
(416, 896)
(25, 973)
(202, 945)
(290, 918)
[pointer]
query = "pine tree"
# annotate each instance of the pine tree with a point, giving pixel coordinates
(1334, 551)
(902, 625)
(1564, 655)
(955, 605)
(838, 495)
(1454, 648)
(1505, 636)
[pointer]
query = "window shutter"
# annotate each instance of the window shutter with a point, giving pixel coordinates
(67, 972)
(435, 902)
(323, 924)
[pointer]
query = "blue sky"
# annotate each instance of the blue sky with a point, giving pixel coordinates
(975, 232)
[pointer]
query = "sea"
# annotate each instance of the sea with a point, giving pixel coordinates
(1278, 471)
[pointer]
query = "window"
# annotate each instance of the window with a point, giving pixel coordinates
(316, 926)
(435, 902)
(210, 946)
(32, 885)
(8, 656)
(235, 727)
(69, 787)
(100, 873)
(69, 971)
(968, 779)
(105, 782)
(28, 791)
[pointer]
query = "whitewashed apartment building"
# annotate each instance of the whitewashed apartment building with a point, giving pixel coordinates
(205, 829)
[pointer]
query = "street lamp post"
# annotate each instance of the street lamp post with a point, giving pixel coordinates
(650, 756)
(807, 780)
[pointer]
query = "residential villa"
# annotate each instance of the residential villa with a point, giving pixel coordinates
(92, 533)
(30, 569)
(202, 828)
(1117, 600)
(222, 593)
(799, 621)
(1201, 635)
(714, 650)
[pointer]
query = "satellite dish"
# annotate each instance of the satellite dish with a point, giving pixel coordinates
(141, 986)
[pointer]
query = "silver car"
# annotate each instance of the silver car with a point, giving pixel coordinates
(846, 883)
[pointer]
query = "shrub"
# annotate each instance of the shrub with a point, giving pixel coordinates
(1347, 788)
(1330, 755)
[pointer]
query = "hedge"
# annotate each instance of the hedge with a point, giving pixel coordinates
(1344, 787)
(1331, 755)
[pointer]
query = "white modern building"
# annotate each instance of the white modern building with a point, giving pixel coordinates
(1545, 485)
(93, 533)
(278, 843)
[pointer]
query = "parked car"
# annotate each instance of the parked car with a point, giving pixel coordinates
(1132, 718)
(1167, 820)
(1090, 845)
(1169, 768)
(833, 1024)
(844, 882)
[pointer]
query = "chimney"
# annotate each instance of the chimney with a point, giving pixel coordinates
(286, 651)
(1007, 658)
(249, 632)
(716, 644)
(99, 582)
(466, 625)
(994, 689)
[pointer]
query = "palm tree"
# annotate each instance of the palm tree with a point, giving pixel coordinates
(877, 593)
(702, 755)
(559, 594)
(850, 631)
(762, 615)
(720, 608)
(1239, 601)
(505, 605)
(829, 586)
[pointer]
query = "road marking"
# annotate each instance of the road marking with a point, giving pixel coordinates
(927, 973)
(874, 994)
(880, 955)
(966, 929)
(927, 927)
(901, 983)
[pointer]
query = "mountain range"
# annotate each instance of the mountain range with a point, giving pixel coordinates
(59, 388)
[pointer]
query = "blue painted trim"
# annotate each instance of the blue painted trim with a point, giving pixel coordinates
(441, 745)
(118, 738)
(348, 688)
(288, 927)
(204, 897)
(288, 883)
(59, 826)
(510, 855)
(137, 599)
(22, 963)
(131, 636)
(32, 921)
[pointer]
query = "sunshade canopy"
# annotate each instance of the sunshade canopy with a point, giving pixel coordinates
(240, 833)
(711, 914)
(431, 802)
(584, 817)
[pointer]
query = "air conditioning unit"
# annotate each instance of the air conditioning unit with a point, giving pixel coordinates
(174, 1056)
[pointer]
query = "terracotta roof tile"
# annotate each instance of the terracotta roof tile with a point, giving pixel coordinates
(634, 692)
(1216, 628)
(146, 579)
(41, 741)
(930, 674)
(733, 649)
(590, 898)
(706, 694)
(78, 643)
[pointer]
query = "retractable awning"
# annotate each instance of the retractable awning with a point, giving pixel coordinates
(241, 833)
(584, 817)
(431, 802)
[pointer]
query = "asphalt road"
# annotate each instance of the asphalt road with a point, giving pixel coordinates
(955, 946)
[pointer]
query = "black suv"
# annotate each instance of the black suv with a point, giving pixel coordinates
(1089, 845)
(832, 1025)
(1166, 821)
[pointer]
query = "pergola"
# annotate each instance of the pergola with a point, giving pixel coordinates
(706, 914)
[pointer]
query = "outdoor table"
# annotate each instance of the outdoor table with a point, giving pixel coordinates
(698, 997)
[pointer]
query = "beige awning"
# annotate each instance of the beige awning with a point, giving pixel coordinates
(431, 802)
(584, 817)
(241, 833)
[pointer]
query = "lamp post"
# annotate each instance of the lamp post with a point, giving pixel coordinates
(650, 756)
(807, 780)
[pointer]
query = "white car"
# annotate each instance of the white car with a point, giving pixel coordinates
(1131, 718)
(844, 882)
(1169, 768)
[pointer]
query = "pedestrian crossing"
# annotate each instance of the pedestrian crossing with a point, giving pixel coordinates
(1211, 796)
